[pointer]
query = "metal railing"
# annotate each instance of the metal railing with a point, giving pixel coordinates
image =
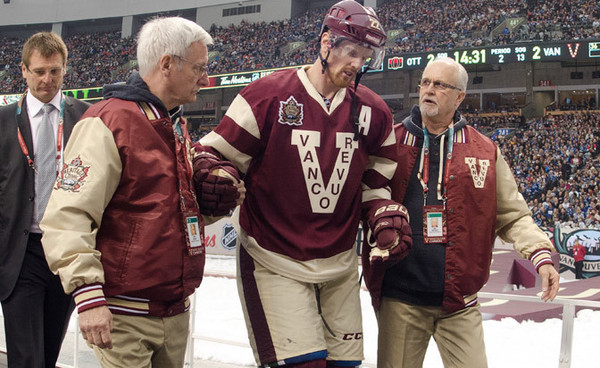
(568, 318)
(566, 344)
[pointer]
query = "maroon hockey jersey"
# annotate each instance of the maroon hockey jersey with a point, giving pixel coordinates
(306, 176)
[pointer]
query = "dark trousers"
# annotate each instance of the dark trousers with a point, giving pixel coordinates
(36, 314)
(578, 269)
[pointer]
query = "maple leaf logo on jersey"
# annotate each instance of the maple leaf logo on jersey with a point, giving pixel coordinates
(72, 175)
(291, 112)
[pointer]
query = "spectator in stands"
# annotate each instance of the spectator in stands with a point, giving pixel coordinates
(448, 170)
(578, 251)
(124, 230)
(36, 309)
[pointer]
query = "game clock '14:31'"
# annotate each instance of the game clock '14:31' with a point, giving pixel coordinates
(468, 56)
(504, 54)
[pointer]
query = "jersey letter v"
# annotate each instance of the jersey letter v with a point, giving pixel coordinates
(323, 196)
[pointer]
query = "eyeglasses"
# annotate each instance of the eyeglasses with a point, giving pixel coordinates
(437, 85)
(198, 69)
(40, 73)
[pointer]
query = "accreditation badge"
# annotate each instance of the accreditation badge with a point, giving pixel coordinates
(194, 235)
(434, 224)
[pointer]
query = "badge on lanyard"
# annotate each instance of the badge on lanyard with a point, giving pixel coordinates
(194, 225)
(434, 216)
(195, 236)
(434, 224)
(194, 232)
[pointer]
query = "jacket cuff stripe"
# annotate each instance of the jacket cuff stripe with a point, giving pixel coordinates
(88, 297)
(540, 258)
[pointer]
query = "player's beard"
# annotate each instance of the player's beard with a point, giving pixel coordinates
(339, 78)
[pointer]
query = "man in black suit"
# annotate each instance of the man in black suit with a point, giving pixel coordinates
(35, 307)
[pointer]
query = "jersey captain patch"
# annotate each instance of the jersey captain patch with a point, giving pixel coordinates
(291, 112)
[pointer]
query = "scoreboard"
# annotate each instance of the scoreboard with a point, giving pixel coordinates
(487, 55)
(504, 54)
(581, 51)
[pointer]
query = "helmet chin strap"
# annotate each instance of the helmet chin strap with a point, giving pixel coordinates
(324, 61)
(354, 103)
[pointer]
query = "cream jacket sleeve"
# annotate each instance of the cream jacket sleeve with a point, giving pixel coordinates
(514, 223)
(89, 177)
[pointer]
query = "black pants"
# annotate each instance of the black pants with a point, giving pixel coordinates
(36, 314)
(579, 269)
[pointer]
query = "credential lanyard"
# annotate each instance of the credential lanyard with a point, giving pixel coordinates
(59, 135)
(423, 174)
(192, 219)
(178, 132)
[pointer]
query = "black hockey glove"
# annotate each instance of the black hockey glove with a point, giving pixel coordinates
(391, 235)
(214, 182)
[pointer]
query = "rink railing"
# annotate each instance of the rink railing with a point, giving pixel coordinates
(568, 318)
(566, 343)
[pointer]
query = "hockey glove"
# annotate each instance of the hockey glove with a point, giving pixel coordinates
(214, 182)
(391, 235)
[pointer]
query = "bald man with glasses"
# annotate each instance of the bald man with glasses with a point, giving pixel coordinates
(460, 194)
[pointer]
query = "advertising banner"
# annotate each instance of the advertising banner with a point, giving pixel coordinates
(221, 239)
(564, 238)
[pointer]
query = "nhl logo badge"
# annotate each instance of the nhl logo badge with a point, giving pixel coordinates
(229, 237)
(291, 112)
(72, 175)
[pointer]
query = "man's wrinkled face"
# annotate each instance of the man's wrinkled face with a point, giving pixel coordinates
(438, 94)
(190, 74)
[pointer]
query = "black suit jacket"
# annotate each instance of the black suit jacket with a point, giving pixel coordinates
(17, 186)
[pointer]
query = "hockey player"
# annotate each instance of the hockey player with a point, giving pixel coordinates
(314, 148)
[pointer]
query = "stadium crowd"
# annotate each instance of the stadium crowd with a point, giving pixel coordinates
(487, 124)
(556, 20)
(413, 26)
(555, 161)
